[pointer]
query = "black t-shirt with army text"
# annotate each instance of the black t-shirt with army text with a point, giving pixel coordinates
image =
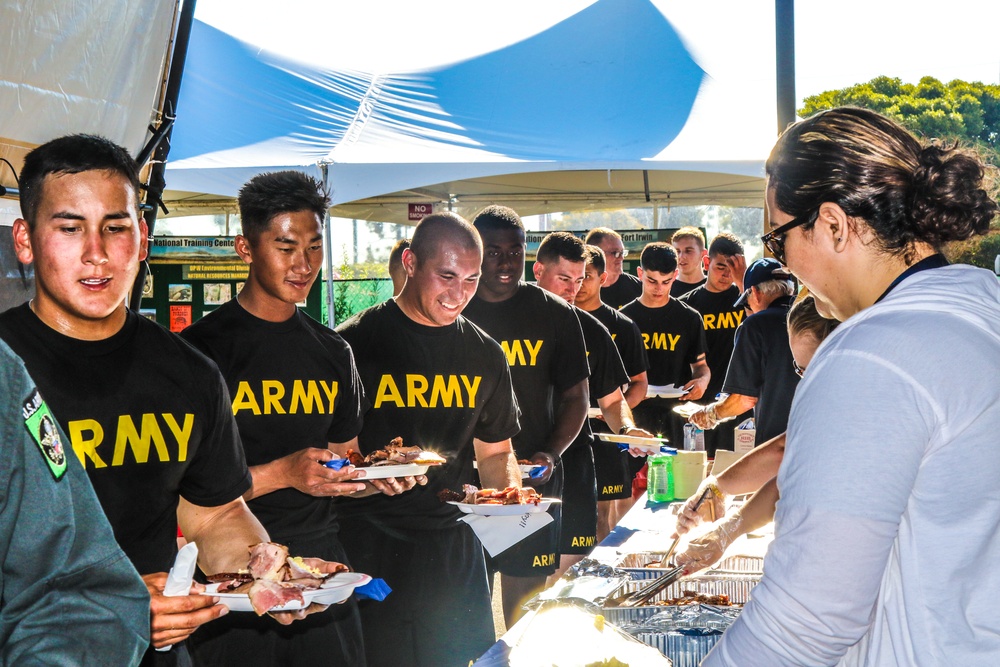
(674, 338)
(721, 319)
(294, 385)
(149, 418)
(607, 372)
(679, 288)
(625, 289)
(543, 343)
(437, 388)
(626, 336)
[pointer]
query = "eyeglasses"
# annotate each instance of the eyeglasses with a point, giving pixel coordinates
(799, 370)
(775, 240)
(618, 254)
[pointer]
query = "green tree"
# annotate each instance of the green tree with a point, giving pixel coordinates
(959, 110)
(359, 286)
(747, 224)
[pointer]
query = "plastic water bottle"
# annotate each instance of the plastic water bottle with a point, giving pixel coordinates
(660, 487)
(694, 438)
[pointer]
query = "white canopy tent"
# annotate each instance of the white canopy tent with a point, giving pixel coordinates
(70, 66)
(551, 106)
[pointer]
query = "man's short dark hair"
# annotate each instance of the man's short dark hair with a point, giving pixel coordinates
(598, 234)
(72, 154)
(435, 228)
(725, 244)
(561, 245)
(497, 218)
(658, 256)
(273, 193)
(396, 254)
(595, 256)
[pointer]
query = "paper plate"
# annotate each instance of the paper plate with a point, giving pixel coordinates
(400, 470)
(651, 445)
(337, 588)
(665, 391)
(505, 510)
(594, 413)
(524, 468)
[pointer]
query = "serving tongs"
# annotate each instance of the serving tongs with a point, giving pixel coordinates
(646, 593)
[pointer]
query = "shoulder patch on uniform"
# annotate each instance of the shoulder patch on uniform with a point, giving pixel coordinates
(41, 426)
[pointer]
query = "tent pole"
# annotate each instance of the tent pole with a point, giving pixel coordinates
(331, 317)
(157, 182)
(784, 51)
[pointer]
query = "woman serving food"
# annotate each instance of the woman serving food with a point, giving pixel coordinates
(876, 561)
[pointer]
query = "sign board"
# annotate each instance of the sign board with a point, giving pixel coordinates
(417, 211)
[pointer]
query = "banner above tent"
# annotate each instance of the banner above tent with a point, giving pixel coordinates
(547, 106)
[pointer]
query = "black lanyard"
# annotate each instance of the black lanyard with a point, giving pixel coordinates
(934, 261)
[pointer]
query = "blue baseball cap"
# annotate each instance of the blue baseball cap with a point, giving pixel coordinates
(760, 271)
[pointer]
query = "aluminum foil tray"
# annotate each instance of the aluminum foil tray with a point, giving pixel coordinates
(737, 587)
(683, 650)
(635, 564)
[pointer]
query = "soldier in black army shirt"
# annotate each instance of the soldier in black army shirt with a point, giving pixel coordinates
(147, 414)
(619, 287)
(436, 380)
(715, 301)
(559, 269)
(298, 402)
(674, 338)
(544, 345)
(613, 466)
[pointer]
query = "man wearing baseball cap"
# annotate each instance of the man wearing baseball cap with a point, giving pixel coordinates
(761, 373)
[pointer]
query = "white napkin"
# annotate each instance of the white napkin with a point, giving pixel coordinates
(498, 533)
(181, 574)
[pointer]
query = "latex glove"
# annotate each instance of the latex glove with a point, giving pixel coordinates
(708, 549)
(713, 507)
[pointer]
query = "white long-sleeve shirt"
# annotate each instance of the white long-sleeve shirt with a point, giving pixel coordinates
(887, 548)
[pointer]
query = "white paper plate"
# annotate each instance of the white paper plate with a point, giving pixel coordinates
(336, 589)
(594, 413)
(525, 468)
(665, 391)
(505, 510)
(651, 445)
(687, 409)
(400, 470)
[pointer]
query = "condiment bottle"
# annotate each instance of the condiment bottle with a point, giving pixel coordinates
(660, 486)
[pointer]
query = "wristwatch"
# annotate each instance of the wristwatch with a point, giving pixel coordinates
(625, 429)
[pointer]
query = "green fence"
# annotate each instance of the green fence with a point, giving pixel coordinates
(353, 296)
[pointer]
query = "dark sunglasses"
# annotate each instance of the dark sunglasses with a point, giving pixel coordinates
(775, 239)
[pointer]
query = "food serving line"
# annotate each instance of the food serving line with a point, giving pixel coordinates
(581, 620)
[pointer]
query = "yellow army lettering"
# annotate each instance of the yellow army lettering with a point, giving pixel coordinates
(444, 391)
(515, 352)
(584, 541)
(728, 320)
(86, 435)
(660, 341)
(306, 398)
(545, 560)
(612, 488)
